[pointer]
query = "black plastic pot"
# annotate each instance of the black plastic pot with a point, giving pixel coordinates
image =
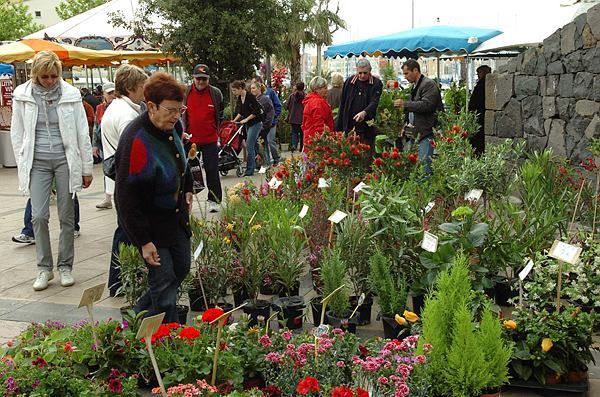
(257, 308)
(182, 312)
(343, 323)
(196, 300)
(504, 293)
(418, 301)
(291, 310)
(268, 289)
(391, 328)
(282, 292)
(240, 296)
(364, 309)
(316, 307)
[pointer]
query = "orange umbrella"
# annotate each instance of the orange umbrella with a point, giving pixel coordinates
(70, 55)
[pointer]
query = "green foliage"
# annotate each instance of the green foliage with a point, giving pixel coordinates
(69, 8)
(389, 119)
(389, 288)
(496, 350)
(356, 248)
(455, 98)
(134, 273)
(388, 73)
(333, 274)
(16, 20)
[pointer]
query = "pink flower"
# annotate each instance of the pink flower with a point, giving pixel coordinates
(383, 380)
(338, 331)
(402, 390)
(427, 347)
(273, 357)
(287, 335)
(340, 364)
(265, 341)
(420, 359)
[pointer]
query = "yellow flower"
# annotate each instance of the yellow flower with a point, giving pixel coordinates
(510, 324)
(234, 199)
(253, 330)
(410, 316)
(547, 344)
(229, 227)
(256, 227)
(399, 319)
(226, 240)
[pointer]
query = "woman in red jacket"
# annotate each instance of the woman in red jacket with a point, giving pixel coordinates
(317, 112)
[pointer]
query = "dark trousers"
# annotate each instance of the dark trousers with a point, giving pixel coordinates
(210, 160)
(297, 137)
(28, 226)
(114, 270)
(164, 280)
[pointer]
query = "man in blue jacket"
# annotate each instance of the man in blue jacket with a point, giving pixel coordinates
(271, 152)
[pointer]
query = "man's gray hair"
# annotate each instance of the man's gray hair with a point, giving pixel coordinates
(316, 83)
(363, 63)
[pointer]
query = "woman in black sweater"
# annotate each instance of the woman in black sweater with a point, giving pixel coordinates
(248, 112)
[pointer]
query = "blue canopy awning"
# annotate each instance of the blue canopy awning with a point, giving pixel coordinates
(410, 43)
(6, 69)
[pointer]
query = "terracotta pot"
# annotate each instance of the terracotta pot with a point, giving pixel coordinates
(552, 379)
(576, 376)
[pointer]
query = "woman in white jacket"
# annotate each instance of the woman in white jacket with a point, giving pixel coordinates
(50, 138)
(129, 89)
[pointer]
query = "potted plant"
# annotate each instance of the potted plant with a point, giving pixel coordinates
(333, 276)
(182, 291)
(134, 275)
(391, 292)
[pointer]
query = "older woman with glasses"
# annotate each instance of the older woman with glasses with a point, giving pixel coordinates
(49, 133)
(153, 193)
(317, 113)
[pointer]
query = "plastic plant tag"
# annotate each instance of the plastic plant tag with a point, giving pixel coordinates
(474, 195)
(323, 183)
(359, 187)
(91, 295)
(430, 242)
(429, 207)
(262, 170)
(565, 252)
(199, 250)
(337, 216)
(303, 211)
(274, 183)
(150, 326)
(523, 273)
(321, 330)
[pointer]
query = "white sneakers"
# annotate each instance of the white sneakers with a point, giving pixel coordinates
(44, 276)
(106, 204)
(213, 207)
(41, 282)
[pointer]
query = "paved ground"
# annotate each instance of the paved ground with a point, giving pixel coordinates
(20, 304)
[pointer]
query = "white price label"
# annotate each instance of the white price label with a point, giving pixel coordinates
(430, 242)
(523, 273)
(321, 330)
(359, 187)
(474, 195)
(565, 252)
(303, 211)
(323, 183)
(429, 207)
(262, 170)
(199, 250)
(274, 183)
(337, 216)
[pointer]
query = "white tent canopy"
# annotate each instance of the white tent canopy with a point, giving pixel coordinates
(538, 28)
(94, 27)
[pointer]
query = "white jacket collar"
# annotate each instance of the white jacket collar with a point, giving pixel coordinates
(69, 93)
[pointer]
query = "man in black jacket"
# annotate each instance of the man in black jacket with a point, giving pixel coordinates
(425, 101)
(477, 104)
(360, 98)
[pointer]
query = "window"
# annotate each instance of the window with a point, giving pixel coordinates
(38, 14)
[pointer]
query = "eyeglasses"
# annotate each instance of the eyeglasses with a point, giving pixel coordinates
(201, 78)
(174, 110)
(359, 73)
(46, 77)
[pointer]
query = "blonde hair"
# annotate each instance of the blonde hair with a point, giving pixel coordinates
(45, 62)
(260, 86)
(127, 78)
(316, 83)
(337, 80)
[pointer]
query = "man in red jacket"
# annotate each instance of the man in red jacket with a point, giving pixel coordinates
(201, 120)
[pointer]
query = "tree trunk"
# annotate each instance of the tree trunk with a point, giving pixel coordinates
(268, 71)
(319, 59)
(295, 66)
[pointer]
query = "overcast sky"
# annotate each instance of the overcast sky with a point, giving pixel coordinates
(370, 18)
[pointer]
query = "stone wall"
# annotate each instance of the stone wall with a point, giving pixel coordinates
(550, 95)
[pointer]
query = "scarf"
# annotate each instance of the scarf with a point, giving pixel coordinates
(49, 95)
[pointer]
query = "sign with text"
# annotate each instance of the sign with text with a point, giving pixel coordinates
(337, 216)
(150, 326)
(565, 252)
(359, 187)
(429, 207)
(523, 273)
(474, 195)
(323, 183)
(91, 295)
(430, 242)
(274, 183)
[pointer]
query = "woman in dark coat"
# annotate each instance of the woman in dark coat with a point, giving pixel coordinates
(295, 106)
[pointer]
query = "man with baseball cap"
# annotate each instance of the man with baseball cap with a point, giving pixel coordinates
(201, 120)
(108, 94)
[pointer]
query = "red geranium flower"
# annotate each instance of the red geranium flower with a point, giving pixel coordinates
(361, 393)
(342, 391)
(378, 162)
(189, 333)
(212, 314)
(412, 158)
(307, 385)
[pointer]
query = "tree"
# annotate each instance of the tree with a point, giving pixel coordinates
(323, 24)
(230, 36)
(69, 8)
(16, 20)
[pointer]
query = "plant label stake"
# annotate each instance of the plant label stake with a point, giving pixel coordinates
(522, 275)
(474, 195)
(429, 207)
(269, 322)
(336, 217)
(274, 183)
(361, 300)
(321, 330)
(323, 183)
(430, 242)
(220, 323)
(262, 170)
(358, 188)
(147, 329)
(89, 296)
(303, 211)
(197, 253)
(563, 252)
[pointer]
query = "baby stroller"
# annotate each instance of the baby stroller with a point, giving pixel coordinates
(230, 141)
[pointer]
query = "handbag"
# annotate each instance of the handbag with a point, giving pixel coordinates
(108, 165)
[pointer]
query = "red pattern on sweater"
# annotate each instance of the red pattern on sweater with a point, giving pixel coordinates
(139, 157)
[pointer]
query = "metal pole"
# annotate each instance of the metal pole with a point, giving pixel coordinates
(412, 23)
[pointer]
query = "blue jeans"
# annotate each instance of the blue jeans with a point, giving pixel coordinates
(251, 137)
(425, 153)
(28, 226)
(164, 280)
(297, 137)
(114, 271)
(271, 147)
